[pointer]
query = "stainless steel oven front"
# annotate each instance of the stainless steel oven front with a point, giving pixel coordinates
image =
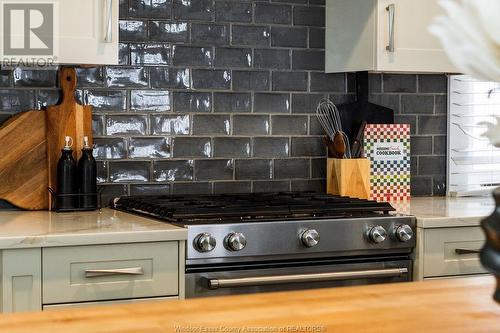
(248, 277)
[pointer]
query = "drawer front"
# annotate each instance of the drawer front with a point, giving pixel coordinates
(449, 251)
(123, 301)
(109, 272)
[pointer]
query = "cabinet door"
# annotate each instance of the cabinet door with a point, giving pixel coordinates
(60, 32)
(414, 48)
(21, 280)
(88, 31)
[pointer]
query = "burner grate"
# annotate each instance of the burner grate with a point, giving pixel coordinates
(250, 207)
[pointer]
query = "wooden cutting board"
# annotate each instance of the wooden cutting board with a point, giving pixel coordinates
(31, 143)
(68, 118)
(23, 162)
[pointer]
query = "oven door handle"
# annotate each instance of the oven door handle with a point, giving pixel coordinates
(298, 278)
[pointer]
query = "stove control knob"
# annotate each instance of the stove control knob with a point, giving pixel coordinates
(310, 238)
(403, 233)
(204, 242)
(377, 234)
(236, 241)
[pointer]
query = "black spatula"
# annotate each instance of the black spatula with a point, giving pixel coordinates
(353, 114)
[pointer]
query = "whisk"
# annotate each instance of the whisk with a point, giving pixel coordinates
(329, 118)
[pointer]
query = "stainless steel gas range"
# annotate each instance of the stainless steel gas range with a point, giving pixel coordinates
(246, 243)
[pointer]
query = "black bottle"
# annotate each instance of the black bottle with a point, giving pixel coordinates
(87, 177)
(66, 178)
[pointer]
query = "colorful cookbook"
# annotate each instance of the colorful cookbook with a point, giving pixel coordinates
(387, 146)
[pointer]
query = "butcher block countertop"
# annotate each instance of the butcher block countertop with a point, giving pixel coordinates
(449, 305)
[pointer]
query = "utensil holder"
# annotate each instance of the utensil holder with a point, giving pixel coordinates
(348, 177)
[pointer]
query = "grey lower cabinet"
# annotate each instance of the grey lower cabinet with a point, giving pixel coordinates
(448, 252)
(21, 280)
(74, 276)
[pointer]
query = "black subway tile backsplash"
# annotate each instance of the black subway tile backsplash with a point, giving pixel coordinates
(233, 11)
(129, 171)
(251, 80)
(210, 34)
(251, 125)
(271, 103)
(233, 57)
(271, 186)
(316, 38)
(126, 125)
(173, 170)
(253, 169)
(204, 124)
(104, 100)
(212, 79)
(232, 102)
(13, 101)
(289, 125)
(213, 169)
(309, 15)
(192, 147)
(161, 31)
(220, 96)
(192, 101)
(192, 56)
(250, 35)
(290, 81)
(117, 77)
(193, 10)
(232, 187)
(149, 54)
(170, 124)
(273, 13)
(149, 100)
(400, 83)
(110, 148)
(132, 31)
(289, 37)
(150, 9)
(272, 59)
(328, 82)
(167, 77)
(34, 78)
(308, 60)
(231, 147)
(291, 168)
(271, 147)
(149, 147)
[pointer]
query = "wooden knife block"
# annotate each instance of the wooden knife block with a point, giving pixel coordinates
(348, 177)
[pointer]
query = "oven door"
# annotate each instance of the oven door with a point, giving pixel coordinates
(214, 281)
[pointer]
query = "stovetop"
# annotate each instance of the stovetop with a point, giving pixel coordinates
(252, 207)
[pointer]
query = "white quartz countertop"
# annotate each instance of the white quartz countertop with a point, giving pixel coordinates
(24, 229)
(440, 212)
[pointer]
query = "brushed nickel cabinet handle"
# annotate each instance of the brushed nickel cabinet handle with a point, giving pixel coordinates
(299, 278)
(391, 9)
(467, 251)
(108, 35)
(90, 273)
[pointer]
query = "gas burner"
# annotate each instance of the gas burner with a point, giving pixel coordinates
(250, 207)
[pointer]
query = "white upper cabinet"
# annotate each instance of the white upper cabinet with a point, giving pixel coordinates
(88, 31)
(383, 35)
(60, 31)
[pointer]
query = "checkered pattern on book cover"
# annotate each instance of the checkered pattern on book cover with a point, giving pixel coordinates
(390, 180)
